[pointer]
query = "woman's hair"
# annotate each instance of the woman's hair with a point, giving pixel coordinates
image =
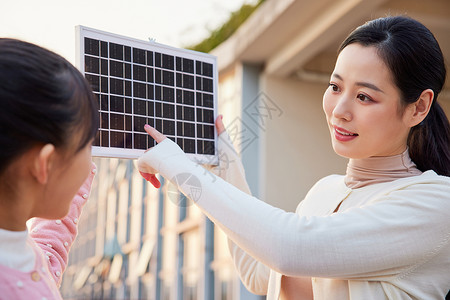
(415, 60)
(43, 99)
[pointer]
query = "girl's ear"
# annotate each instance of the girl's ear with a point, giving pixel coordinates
(43, 163)
(419, 109)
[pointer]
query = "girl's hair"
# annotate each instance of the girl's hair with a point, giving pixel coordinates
(43, 99)
(415, 60)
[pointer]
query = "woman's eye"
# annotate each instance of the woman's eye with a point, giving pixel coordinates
(363, 98)
(334, 87)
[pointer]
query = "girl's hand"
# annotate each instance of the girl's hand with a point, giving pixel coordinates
(159, 137)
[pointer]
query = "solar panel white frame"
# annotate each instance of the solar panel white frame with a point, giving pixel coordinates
(187, 94)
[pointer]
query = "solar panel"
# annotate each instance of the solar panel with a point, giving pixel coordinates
(137, 83)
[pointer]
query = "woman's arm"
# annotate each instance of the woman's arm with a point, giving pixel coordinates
(55, 237)
(253, 274)
(362, 242)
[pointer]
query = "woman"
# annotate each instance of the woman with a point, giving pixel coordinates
(382, 231)
(48, 119)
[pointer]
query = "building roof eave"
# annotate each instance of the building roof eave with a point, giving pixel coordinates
(284, 34)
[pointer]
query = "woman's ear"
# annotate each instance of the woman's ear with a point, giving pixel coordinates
(419, 109)
(43, 163)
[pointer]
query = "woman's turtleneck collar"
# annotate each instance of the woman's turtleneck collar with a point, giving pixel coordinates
(372, 170)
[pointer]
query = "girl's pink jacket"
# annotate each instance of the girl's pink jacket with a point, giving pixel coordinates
(51, 241)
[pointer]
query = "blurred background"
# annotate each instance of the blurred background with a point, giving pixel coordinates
(274, 60)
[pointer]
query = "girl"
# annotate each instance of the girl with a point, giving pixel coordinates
(48, 119)
(382, 231)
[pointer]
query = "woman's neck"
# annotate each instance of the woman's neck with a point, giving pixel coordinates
(372, 170)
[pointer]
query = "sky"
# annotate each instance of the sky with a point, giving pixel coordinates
(51, 23)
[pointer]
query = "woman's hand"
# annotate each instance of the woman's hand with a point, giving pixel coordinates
(155, 134)
(219, 125)
(159, 137)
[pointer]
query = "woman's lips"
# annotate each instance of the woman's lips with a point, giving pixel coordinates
(343, 135)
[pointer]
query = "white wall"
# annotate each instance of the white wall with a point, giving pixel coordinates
(297, 146)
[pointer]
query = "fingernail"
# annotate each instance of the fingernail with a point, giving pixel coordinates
(146, 126)
(146, 176)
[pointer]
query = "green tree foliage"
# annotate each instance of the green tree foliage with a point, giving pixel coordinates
(221, 34)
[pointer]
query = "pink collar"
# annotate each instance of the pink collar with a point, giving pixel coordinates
(372, 170)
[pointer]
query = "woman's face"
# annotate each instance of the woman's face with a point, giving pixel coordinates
(362, 106)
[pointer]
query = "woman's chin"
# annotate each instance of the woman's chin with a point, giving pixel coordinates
(345, 152)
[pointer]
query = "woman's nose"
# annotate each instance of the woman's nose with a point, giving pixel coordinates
(342, 109)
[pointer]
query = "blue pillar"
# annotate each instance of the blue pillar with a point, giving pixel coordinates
(159, 243)
(251, 154)
(209, 257)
